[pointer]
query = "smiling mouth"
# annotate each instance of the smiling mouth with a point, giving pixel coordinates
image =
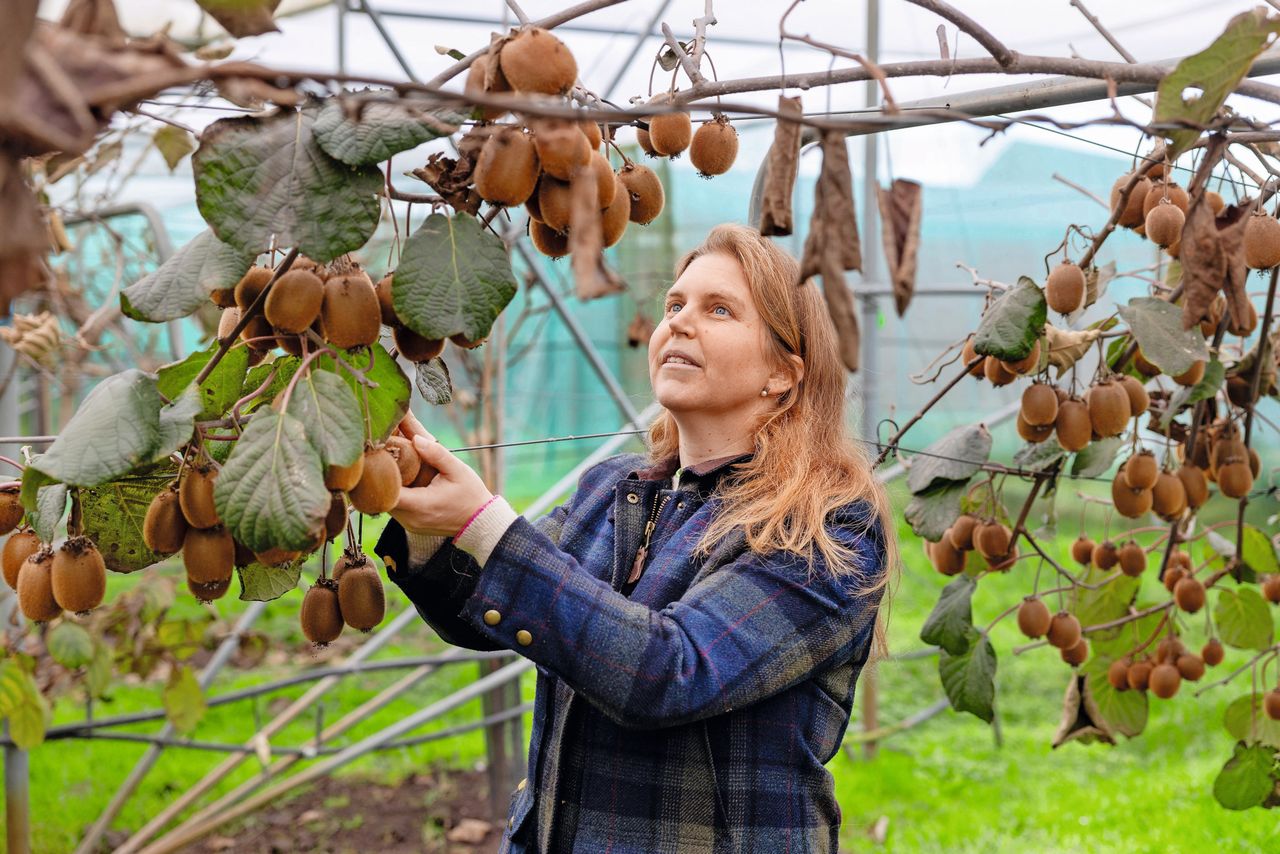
(677, 361)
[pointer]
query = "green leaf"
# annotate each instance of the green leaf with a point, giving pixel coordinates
(1215, 543)
(388, 401)
(930, 514)
(950, 623)
(1118, 642)
(173, 143)
(242, 18)
(1247, 778)
(1118, 711)
(1009, 328)
(184, 703)
(453, 276)
(1257, 551)
(122, 424)
(1244, 619)
(220, 389)
(1214, 72)
(1096, 457)
(1157, 327)
(1247, 721)
(1210, 383)
(380, 130)
(183, 283)
(1105, 603)
(264, 176)
(433, 381)
(969, 678)
(331, 413)
(953, 458)
(70, 644)
(97, 676)
(113, 515)
(260, 583)
(51, 504)
(1038, 456)
(284, 368)
(22, 704)
(271, 491)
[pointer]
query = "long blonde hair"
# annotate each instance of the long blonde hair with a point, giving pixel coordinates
(806, 465)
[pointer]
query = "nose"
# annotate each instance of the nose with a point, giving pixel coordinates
(681, 323)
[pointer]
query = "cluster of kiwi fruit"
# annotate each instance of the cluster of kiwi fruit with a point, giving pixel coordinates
(1162, 673)
(988, 536)
(351, 596)
(1224, 459)
(48, 581)
(712, 148)
(1061, 630)
(1106, 555)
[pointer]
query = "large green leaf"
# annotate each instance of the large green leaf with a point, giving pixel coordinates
(1210, 383)
(930, 514)
(361, 133)
(264, 176)
(950, 623)
(1244, 619)
(1038, 456)
(123, 423)
(271, 492)
(1118, 711)
(1208, 77)
(51, 504)
(1257, 551)
(114, 512)
(22, 704)
(331, 413)
(280, 370)
(173, 143)
(1157, 327)
(1010, 326)
(1110, 644)
(453, 276)
(70, 644)
(953, 458)
(1096, 457)
(184, 703)
(1247, 721)
(184, 282)
(1247, 778)
(969, 678)
(1105, 603)
(219, 390)
(260, 583)
(388, 400)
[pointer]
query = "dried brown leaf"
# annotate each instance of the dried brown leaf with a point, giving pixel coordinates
(901, 207)
(243, 17)
(1065, 347)
(781, 165)
(93, 18)
(640, 330)
(592, 279)
(1204, 262)
(840, 307)
(452, 180)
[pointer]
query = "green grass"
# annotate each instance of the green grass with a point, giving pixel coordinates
(943, 786)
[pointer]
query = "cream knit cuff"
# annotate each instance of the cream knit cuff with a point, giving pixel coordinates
(422, 546)
(481, 537)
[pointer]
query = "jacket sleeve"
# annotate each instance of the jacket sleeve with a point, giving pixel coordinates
(749, 630)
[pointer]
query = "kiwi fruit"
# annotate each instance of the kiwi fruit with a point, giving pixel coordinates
(1072, 425)
(1030, 433)
(258, 334)
(1164, 681)
(1064, 630)
(1033, 617)
(415, 347)
(1139, 675)
(1027, 363)
(1271, 703)
(1262, 241)
(1076, 655)
(1139, 400)
(1164, 194)
(344, 478)
(1108, 409)
(968, 354)
(335, 519)
(561, 148)
(1246, 327)
(78, 575)
(477, 76)
(547, 240)
(406, 457)
(1129, 502)
(227, 321)
(961, 532)
(1194, 484)
(1039, 405)
(591, 130)
(294, 301)
(426, 474)
(1004, 562)
(646, 144)
(1188, 593)
(209, 554)
(534, 60)
(1144, 365)
(1172, 576)
(555, 202)
(1271, 589)
(1082, 550)
(243, 555)
(1105, 555)
(714, 147)
(1235, 480)
(379, 487)
(251, 285)
(946, 558)
(507, 172)
(35, 588)
(1141, 470)
(223, 297)
(1168, 497)
(1212, 652)
(996, 372)
(350, 315)
(1118, 674)
(670, 133)
(10, 511)
(647, 197)
(321, 615)
(342, 564)
(386, 308)
(1169, 648)
(1190, 667)
(276, 556)
(1133, 559)
(613, 222)
(1192, 375)
(206, 593)
(1164, 224)
(20, 546)
(1209, 323)
(195, 497)
(361, 597)
(992, 539)
(1132, 215)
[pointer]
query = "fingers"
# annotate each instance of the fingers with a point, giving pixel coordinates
(435, 454)
(410, 427)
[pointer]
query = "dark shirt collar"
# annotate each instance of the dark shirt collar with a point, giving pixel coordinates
(705, 474)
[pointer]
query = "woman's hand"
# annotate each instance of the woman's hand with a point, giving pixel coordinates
(453, 496)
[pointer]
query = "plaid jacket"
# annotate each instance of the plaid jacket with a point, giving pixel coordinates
(694, 712)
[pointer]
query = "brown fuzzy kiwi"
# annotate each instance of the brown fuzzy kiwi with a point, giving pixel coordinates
(1165, 194)
(1164, 224)
(547, 240)
(946, 558)
(415, 347)
(1004, 562)
(195, 496)
(1139, 400)
(1189, 594)
(1144, 365)
(1132, 215)
(992, 539)
(1212, 652)
(1106, 555)
(350, 315)
(10, 510)
(251, 285)
(276, 556)
(1271, 589)
(1262, 241)
(1033, 617)
(1141, 470)
(223, 297)
(35, 588)
(561, 148)
(361, 597)
(714, 147)
(294, 301)
(1255, 462)
(1118, 674)
(1216, 202)
(165, 526)
(1235, 480)
(406, 457)
(613, 222)
(1194, 484)
(1064, 290)
(1129, 502)
(1191, 667)
(1246, 327)
(1271, 703)
(386, 308)
(344, 478)
(1072, 425)
(1082, 550)
(243, 555)
(996, 372)
(342, 564)
(497, 83)
(78, 575)
(20, 546)
(647, 197)
(209, 554)
(1031, 433)
(466, 343)
(425, 475)
(1108, 408)
(646, 145)
(258, 334)
(555, 202)
(321, 615)
(591, 130)
(1133, 559)
(968, 354)
(1168, 497)
(335, 521)
(208, 592)
(1172, 576)
(507, 172)
(669, 133)
(606, 185)
(1064, 630)
(1039, 405)
(1192, 375)
(531, 205)
(536, 61)
(1164, 681)
(1076, 655)
(379, 486)
(1027, 363)
(1139, 675)
(227, 322)
(961, 532)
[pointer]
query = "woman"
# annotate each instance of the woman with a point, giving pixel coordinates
(698, 617)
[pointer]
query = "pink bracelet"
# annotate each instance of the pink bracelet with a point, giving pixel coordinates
(483, 507)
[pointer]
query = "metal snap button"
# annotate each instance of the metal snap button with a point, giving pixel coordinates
(492, 617)
(632, 498)
(524, 638)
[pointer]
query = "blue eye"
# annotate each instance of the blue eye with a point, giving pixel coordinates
(675, 306)
(722, 308)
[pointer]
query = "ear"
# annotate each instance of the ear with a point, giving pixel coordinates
(788, 376)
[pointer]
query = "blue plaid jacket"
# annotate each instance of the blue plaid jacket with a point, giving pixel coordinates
(692, 711)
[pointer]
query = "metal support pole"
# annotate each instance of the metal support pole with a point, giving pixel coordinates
(342, 36)
(17, 801)
(381, 27)
(635, 48)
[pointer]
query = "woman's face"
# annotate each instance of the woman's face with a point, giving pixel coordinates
(708, 355)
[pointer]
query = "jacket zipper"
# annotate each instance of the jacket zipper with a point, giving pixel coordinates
(637, 566)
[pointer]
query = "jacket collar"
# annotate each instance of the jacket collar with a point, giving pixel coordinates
(706, 474)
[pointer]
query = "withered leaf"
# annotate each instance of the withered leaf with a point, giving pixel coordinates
(24, 237)
(93, 18)
(1204, 262)
(640, 330)
(781, 165)
(900, 211)
(1077, 723)
(243, 17)
(832, 245)
(592, 278)
(452, 180)
(843, 315)
(1065, 347)
(1231, 236)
